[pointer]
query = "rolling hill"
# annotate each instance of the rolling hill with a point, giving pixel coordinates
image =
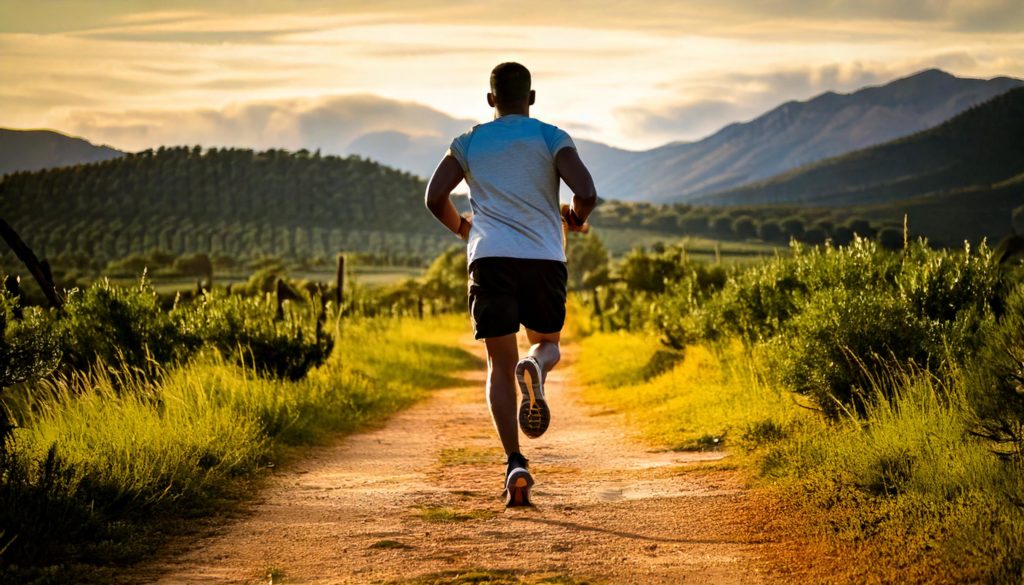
(795, 134)
(33, 150)
(977, 150)
(232, 202)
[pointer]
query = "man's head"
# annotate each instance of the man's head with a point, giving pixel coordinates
(510, 87)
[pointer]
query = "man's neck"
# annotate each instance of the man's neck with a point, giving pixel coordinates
(525, 111)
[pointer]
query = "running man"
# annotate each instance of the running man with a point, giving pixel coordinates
(516, 251)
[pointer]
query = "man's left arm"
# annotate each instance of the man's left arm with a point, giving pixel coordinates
(446, 177)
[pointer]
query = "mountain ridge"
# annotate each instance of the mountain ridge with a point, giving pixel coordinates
(38, 149)
(982, 147)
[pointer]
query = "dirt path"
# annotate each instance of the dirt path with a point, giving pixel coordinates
(421, 496)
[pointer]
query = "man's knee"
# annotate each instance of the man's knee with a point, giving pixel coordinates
(498, 371)
(535, 337)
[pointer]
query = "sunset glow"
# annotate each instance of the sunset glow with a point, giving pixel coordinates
(629, 74)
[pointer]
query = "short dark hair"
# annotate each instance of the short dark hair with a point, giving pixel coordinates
(510, 83)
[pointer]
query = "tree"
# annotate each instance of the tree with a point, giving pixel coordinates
(769, 231)
(814, 236)
(745, 227)
(861, 227)
(842, 235)
(793, 227)
(722, 226)
(890, 238)
(447, 279)
(587, 261)
(693, 223)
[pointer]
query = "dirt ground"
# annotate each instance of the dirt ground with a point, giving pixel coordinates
(421, 496)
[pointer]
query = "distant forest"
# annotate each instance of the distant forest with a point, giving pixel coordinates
(238, 206)
(232, 202)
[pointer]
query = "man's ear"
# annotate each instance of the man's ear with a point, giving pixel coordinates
(533, 96)
(490, 99)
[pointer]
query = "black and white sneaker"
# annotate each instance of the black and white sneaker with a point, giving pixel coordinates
(518, 482)
(534, 414)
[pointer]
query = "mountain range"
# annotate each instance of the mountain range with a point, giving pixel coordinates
(795, 134)
(792, 135)
(981, 147)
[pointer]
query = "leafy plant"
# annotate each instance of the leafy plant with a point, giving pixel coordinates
(121, 326)
(246, 330)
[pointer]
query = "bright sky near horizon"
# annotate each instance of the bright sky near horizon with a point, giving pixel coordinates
(135, 74)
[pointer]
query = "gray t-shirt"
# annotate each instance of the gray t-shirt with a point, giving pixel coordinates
(509, 165)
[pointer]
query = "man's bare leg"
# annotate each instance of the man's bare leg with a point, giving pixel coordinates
(544, 348)
(502, 355)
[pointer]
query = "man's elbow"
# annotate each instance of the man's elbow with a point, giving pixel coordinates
(588, 194)
(434, 201)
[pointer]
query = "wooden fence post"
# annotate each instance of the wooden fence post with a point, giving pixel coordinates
(597, 308)
(284, 293)
(339, 281)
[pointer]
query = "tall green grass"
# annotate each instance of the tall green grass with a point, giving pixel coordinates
(98, 456)
(693, 400)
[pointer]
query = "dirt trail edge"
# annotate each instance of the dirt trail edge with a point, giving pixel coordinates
(420, 496)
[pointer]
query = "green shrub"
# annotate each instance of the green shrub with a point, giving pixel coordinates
(846, 337)
(121, 326)
(754, 307)
(941, 285)
(447, 278)
(29, 346)
(586, 261)
(997, 377)
(246, 330)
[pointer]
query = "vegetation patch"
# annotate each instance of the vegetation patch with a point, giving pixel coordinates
(102, 462)
(877, 392)
(447, 515)
(491, 577)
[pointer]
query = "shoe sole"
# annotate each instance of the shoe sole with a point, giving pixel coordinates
(517, 488)
(534, 414)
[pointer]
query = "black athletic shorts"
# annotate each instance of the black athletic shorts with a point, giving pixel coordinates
(504, 292)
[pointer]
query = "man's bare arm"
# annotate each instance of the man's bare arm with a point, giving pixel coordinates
(577, 177)
(446, 177)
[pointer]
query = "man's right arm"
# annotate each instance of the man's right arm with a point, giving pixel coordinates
(575, 174)
(446, 177)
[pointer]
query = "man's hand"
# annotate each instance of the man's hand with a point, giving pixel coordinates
(572, 221)
(465, 225)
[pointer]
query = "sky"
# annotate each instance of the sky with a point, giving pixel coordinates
(292, 74)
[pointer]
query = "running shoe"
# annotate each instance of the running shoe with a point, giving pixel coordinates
(534, 414)
(518, 482)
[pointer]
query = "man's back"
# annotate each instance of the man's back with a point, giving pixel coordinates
(509, 164)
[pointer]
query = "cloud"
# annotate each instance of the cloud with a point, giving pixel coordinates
(695, 110)
(684, 120)
(692, 16)
(331, 124)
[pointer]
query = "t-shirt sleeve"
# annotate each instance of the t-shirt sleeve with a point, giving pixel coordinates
(557, 139)
(460, 150)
